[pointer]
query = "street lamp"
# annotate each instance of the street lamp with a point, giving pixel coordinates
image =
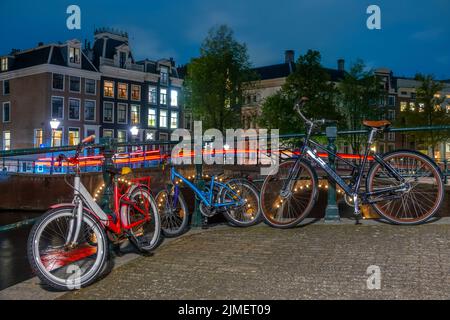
(54, 124)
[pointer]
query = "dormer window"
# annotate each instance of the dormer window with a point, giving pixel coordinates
(164, 73)
(74, 55)
(122, 59)
(4, 64)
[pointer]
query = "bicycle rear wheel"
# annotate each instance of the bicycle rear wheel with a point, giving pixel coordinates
(173, 211)
(58, 265)
(286, 210)
(421, 199)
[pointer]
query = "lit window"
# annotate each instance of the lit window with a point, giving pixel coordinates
(74, 136)
(74, 109)
(58, 81)
(75, 84)
(163, 96)
(38, 137)
(173, 120)
(412, 106)
(151, 117)
(6, 140)
(136, 92)
(122, 113)
(122, 89)
(57, 108)
(421, 107)
(174, 98)
(121, 136)
(74, 55)
(403, 106)
(6, 112)
(89, 110)
(57, 136)
(152, 95)
(108, 133)
(108, 112)
(135, 114)
(4, 66)
(6, 89)
(90, 87)
(163, 118)
(108, 89)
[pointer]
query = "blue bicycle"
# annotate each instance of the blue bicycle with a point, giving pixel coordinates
(236, 199)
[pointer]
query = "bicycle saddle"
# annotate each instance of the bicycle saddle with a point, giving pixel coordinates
(381, 124)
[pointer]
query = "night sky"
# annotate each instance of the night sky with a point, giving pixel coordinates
(415, 34)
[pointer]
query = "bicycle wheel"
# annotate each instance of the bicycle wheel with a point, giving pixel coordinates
(244, 214)
(289, 208)
(423, 195)
(173, 212)
(60, 266)
(144, 214)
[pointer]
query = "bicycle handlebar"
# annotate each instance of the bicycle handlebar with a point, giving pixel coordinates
(301, 103)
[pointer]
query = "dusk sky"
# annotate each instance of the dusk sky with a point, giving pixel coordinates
(415, 34)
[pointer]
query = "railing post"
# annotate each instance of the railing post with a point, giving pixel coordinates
(108, 153)
(197, 217)
(331, 211)
(445, 171)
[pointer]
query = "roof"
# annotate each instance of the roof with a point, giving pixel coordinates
(283, 70)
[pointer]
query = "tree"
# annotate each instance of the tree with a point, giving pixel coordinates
(427, 112)
(359, 95)
(215, 80)
(310, 80)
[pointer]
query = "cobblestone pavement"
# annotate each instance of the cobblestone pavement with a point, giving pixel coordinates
(314, 262)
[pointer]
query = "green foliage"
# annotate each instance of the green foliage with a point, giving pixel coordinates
(215, 80)
(358, 99)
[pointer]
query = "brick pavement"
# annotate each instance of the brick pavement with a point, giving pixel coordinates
(318, 261)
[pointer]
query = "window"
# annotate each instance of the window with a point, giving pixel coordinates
(58, 81)
(121, 136)
(163, 118)
(173, 120)
(164, 73)
(163, 96)
(74, 109)
(391, 136)
(413, 95)
(74, 55)
(108, 112)
(38, 137)
(412, 106)
(89, 110)
(122, 113)
(391, 147)
(108, 89)
(75, 84)
(135, 92)
(6, 111)
(6, 87)
(122, 90)
(151, 117)
(4, 64)
(152, 95)
(391, 101)
(188, 121)
(174, 98)
(90, 86)
(381, 148)
(108, 133)
(6, 140)
(135, 114)
(421, 107)
(57, 107)
(391, 114)
(74, 136)
(403, 106)
(122, 59)
(149, 135)
(57, 137)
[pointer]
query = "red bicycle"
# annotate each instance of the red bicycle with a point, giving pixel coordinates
(68, 247)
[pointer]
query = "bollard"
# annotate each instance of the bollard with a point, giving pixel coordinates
(107, 197)
(331, 211)
(197, 217)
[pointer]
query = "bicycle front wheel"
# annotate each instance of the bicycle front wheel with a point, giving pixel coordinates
(287, 208)
(422, 196)
(61, 266)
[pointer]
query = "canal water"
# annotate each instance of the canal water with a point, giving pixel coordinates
(14, 267)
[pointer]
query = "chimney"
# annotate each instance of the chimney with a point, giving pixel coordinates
(341, 64)
(40, 44)
(289, 56)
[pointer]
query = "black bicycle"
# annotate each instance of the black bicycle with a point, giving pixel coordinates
(403, 186)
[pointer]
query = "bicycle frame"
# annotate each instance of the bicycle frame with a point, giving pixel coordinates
(207, 197)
